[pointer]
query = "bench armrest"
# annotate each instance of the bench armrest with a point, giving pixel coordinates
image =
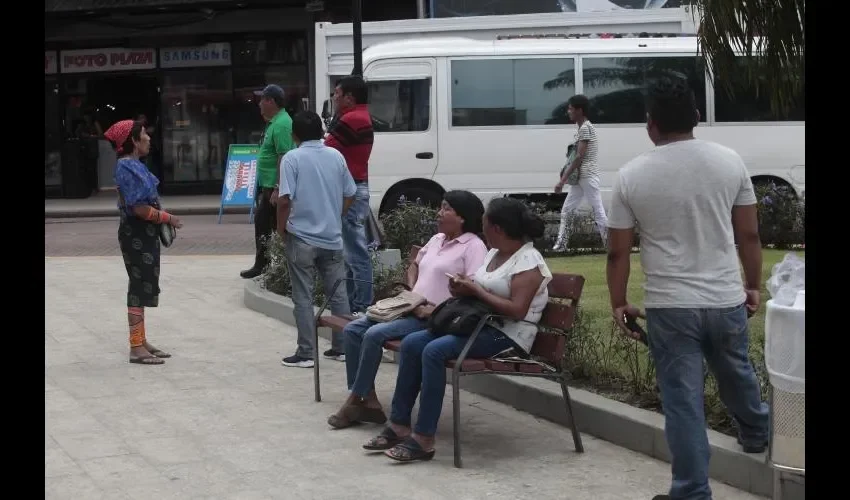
(477, 330)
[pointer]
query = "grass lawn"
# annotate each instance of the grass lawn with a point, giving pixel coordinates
(618, 367)
(595, 300)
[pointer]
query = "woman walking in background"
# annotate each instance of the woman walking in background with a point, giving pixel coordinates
(138, 232)
(587, 150)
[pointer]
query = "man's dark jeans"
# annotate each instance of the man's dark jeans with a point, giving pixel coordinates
(265, 224)
(680, 341)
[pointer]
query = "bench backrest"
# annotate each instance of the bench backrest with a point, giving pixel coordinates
(559, 315)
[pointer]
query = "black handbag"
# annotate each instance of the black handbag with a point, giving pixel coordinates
(458, 316)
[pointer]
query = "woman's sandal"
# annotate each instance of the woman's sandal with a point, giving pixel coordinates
(409, 451)
(159, 353)
(383, 441)
(342, 421)
(372, 415)
(146, 360)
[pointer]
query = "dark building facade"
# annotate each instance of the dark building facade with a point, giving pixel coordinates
(190, 67)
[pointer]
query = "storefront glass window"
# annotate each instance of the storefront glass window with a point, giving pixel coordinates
(293, 80)
(197, 124)
(290, 49)
(52, 135)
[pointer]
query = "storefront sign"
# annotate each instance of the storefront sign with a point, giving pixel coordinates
(240, 178)
(50, 63)
(212, 54)
(115, 59)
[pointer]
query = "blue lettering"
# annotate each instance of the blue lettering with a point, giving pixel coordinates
(197, 54)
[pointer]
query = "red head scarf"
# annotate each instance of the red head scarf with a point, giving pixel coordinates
(118, 134)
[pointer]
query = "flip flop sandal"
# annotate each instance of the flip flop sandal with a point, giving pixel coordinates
(383, 441)
(159, 354)
(372, 415)
(342, 422)
(147, 360)
(409, 451)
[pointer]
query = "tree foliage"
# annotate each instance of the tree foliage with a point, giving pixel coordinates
(770, 34)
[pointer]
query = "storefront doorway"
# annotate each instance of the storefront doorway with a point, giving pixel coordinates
(92, 104)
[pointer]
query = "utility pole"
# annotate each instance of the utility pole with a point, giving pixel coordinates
(357, 20)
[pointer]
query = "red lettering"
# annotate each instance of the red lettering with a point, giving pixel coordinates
(85, 60)
(132, 58)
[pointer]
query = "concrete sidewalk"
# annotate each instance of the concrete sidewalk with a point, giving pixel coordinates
(103, 204)
(223, 420)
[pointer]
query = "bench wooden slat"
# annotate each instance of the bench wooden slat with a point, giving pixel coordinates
(335, 323)
(469, 365)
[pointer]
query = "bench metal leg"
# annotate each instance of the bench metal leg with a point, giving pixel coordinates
(456, 416)
(316, 363)
(571, 417)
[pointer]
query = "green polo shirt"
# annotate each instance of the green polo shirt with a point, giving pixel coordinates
(277, 141)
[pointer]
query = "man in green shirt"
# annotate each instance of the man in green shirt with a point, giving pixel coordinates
(276, 142)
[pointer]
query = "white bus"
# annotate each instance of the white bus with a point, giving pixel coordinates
(490, 117)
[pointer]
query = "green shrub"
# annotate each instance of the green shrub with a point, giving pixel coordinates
(584, 236)
(408, 225)
(782, 216)
(276, 277)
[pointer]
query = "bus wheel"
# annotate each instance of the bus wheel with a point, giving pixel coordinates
(768, 188)
(411, 194)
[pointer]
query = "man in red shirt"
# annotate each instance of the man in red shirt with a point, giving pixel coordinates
(352, 135)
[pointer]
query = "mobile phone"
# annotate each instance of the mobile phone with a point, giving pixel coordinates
(632, 324)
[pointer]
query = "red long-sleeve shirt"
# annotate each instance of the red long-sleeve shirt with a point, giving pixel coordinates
(353, 136)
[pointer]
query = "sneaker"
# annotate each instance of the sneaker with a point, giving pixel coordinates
(749, 448)
(558, 248)
(661, 497)
(252, 273)
(335, 355)
(297, 361)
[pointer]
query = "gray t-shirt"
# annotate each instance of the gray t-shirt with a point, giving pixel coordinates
(681, 197)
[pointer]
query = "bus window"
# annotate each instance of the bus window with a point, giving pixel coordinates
(400, 105)
(748, 104)
(616, 85)
(507, 92)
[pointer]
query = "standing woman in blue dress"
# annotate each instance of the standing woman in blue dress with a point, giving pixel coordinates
(138, 232)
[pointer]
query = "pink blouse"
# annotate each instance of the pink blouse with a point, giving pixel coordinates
(462, 255)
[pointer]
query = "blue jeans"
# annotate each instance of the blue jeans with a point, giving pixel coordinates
(423, 365)
(364, 340)
(679, 339)
(303, 260)
(358, 261)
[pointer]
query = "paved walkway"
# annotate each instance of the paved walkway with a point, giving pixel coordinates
(103, 204)
(223, 420)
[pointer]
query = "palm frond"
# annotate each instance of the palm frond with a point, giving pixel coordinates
(768, 34)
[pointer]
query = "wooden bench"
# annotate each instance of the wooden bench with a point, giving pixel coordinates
(549, 346)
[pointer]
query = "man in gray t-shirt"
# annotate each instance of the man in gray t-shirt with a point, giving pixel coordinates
(692, 200)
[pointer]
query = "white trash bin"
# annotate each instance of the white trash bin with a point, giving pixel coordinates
(785, 359)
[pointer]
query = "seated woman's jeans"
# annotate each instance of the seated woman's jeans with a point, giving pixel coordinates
(364, 340)
(423, 365)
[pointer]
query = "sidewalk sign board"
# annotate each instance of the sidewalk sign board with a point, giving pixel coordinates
(240, 178)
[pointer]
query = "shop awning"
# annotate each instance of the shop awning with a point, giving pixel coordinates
(62, 6)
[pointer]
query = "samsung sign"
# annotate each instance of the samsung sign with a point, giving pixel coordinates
(212, 54)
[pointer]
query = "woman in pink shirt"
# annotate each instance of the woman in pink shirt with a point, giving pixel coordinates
(455, 249)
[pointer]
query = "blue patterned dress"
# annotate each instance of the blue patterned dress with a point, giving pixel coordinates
(138, 238)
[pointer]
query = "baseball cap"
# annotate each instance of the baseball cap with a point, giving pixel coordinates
(273, 92)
